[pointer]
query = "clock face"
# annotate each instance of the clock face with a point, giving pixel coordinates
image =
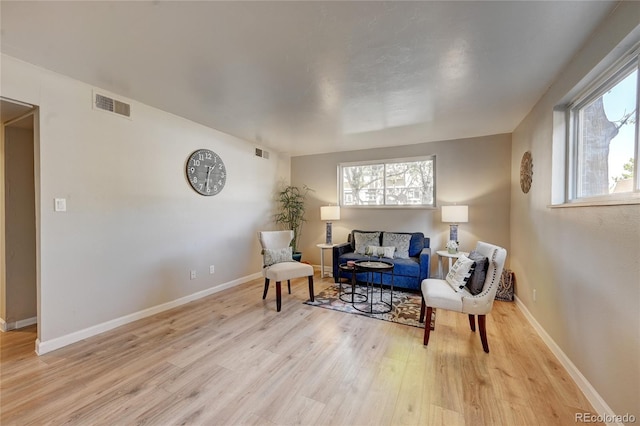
(206, 172)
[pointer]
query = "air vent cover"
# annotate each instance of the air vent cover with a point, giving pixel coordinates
(262, 153)
(115, 106)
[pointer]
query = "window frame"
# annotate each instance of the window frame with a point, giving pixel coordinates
(384, 162)
(600, 85)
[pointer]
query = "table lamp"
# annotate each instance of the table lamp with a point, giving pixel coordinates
(455, 215)
(329, 213)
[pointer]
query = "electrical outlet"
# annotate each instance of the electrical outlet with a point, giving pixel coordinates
(534, 295)
(193, 274)
(212, 269)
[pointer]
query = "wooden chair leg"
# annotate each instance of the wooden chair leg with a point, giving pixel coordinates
(427, 326)
(311, 296)
(472, 322)
(266, 288)
(482, 323)
(422, 308)
(289, 285)
(278, 296)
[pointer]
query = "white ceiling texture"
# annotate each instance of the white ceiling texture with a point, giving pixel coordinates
(305, 77)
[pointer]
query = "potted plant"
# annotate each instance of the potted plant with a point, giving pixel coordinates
(291, 211)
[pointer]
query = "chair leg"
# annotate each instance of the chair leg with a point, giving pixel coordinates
(311, 296)
(422, 308)
(482, 319)
(278, 295)
(472, 322)
(289, 285)
(266, 288)
(427, 326)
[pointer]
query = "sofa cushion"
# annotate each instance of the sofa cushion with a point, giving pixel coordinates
(352, 238)
(417, 244)
(400, 241)
(402, 267)
(406, 267)
(364, 239)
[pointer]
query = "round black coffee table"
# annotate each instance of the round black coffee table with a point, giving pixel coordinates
(371, 267)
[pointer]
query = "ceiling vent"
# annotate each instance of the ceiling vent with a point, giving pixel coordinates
(262, 153)
(106, 103)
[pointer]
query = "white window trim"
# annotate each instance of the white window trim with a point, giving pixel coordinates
(567, 132)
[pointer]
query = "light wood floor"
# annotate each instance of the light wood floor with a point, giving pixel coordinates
(232, 359)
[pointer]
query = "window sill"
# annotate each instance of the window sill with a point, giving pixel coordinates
(620, 201)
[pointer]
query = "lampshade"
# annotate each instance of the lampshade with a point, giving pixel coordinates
(330, 213)
(455, 214)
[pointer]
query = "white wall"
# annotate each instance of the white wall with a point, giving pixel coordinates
(134, 228)
(473, 171)
(584, 262)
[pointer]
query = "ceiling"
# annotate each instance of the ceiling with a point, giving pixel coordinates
(307, 77)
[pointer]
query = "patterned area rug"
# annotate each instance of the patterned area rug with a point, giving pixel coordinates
(406, 306)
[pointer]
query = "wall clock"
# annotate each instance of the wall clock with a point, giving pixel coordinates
(206, 172)
(526, 172)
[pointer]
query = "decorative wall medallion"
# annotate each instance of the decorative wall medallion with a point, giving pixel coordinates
(526, 172)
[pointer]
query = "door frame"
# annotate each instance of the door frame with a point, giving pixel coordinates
(29, 110)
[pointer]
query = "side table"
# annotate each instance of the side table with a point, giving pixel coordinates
(445, 253)
(323, 247)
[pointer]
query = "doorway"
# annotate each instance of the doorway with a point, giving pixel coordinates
(18, 225)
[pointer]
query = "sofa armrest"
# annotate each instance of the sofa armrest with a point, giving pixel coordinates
(425, 263)
(338, 251)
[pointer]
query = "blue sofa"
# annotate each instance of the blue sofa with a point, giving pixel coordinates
(408, 273)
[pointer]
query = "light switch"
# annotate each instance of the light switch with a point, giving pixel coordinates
(60, 204)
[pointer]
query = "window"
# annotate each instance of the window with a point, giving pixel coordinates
(603, 139)
(400, 182)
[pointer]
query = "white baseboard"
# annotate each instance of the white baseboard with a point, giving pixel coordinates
(15, 325)
(59, 342)
(599, 404)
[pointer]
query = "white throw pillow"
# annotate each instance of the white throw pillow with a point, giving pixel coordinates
(380, 251)
(460, 272)
(273, 256)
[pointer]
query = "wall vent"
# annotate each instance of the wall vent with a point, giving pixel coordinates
(262, 153)
(106, 103)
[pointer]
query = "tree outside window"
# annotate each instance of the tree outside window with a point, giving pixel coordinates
(606, 140)
(389, 183)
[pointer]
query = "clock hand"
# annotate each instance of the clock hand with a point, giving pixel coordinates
(208, 174)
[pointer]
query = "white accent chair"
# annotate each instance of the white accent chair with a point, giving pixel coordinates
(437, 293)
(285, 270)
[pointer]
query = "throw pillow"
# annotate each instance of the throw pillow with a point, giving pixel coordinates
(417, 244)
(273, 256)
(479, 274)
(460, 273)
(364, 239)
(399, 241)
(380, 251)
